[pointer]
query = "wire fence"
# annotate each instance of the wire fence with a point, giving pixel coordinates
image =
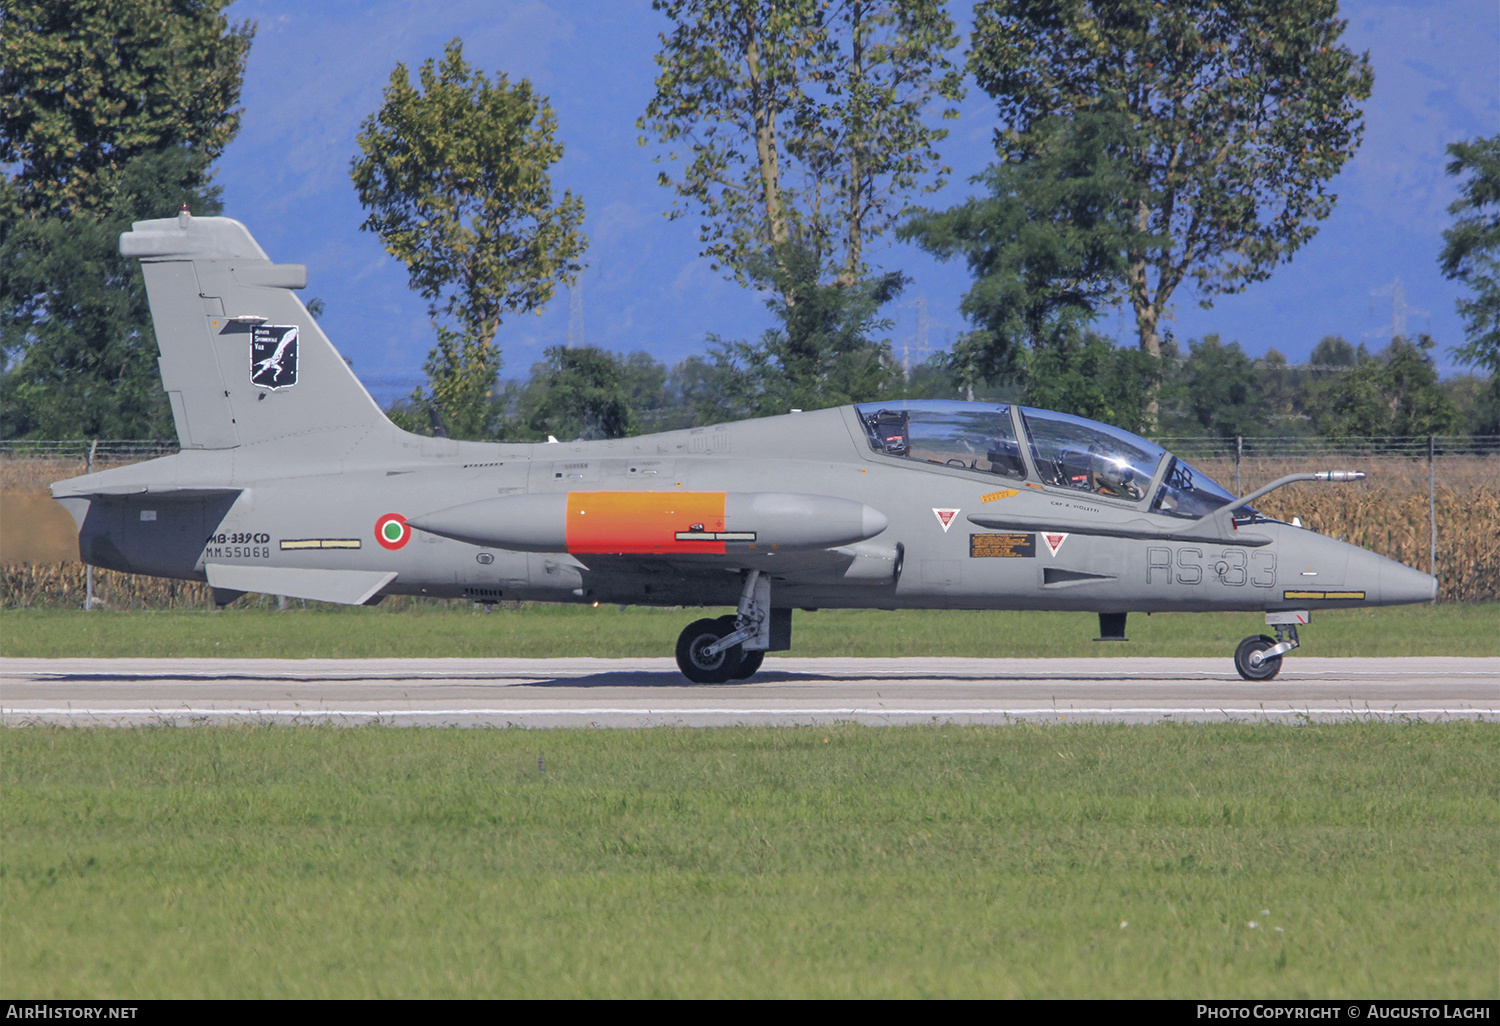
(1407, 446)
(105, 450)
(1189, 447)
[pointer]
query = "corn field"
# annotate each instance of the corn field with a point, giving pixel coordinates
(64, 586)
(1393, 511)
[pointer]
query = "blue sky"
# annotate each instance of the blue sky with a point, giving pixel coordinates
(317, 70)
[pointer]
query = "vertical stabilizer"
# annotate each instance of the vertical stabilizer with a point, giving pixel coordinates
(242, 360)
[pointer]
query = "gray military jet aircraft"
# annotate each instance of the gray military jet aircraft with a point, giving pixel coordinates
(292, 482)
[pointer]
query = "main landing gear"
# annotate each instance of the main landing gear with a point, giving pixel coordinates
(733, 647)
(702, 659)
(1258, 657)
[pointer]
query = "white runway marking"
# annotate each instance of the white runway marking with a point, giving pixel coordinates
(746, 712)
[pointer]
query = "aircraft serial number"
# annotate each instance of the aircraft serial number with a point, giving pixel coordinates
(237, 552)
(237, 538)
(1232, 567)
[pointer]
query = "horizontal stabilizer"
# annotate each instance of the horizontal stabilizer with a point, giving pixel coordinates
(155, 491)
(347, 587)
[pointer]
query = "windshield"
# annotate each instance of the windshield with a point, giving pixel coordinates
(1072, 452)
(967, 436)
(1190, 493)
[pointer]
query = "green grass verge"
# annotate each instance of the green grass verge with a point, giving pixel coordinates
(542, 630)
(1330, 861)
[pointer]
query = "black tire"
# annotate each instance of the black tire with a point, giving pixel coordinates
(749, 665)
(1266, 670)
(697, 667)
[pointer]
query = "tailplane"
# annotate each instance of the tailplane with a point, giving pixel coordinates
(242, 360)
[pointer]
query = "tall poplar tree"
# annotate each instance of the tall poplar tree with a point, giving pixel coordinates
(1471, 255)
(456, 178)
(802, 128)
(800, 124)
(1237, 115)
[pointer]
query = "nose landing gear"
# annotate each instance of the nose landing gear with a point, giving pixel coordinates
(1258, 657)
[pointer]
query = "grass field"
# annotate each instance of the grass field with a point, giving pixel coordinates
(542, 630)
(1226, 860)
(1356, 860)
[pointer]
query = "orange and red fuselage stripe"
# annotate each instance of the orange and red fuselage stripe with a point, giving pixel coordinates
(643, 522)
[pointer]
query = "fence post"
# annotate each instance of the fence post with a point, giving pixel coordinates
(88, 568)
(1431, 507)
(1239, 452)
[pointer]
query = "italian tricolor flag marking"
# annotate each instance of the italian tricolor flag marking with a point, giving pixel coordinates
(391, 531)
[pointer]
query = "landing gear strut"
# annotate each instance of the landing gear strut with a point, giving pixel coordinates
(732, 647)
(1258, 657)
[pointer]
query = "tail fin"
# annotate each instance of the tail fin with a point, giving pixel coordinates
(242, 360)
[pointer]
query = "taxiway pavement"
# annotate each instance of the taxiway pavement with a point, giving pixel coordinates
(586, 692)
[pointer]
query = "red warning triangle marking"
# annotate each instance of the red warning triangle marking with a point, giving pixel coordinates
(945, 517)
(1054, 541)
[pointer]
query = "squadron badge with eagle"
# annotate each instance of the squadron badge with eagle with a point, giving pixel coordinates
(273, 356)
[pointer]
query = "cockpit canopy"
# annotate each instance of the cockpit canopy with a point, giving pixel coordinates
(1065, 451)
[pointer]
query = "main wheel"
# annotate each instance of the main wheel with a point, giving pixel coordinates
(699, 667)
(1266, 669)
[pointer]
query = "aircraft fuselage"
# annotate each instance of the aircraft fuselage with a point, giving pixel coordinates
(930, 556)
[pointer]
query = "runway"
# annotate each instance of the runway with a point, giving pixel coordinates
(650, 692)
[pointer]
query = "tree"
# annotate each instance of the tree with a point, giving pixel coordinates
(75, 320)
(1395, 392)
(1350, 404)
(88, 87)
(822, 354)
(455, 177)
(1239, 112)
(1337, 352)
(461, 371)
(1220, 388)
(112, 113)
(1046, 246)
(801, 123)
(579, 392)
(1088, 376)
(1471, 254)
(1276, 386)
(1418, 404)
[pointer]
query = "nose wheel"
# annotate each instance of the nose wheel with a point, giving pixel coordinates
(1259, 657)
(1251, 661)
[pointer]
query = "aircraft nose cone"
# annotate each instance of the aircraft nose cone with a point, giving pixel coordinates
(1387, 582)
(1400, 584)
